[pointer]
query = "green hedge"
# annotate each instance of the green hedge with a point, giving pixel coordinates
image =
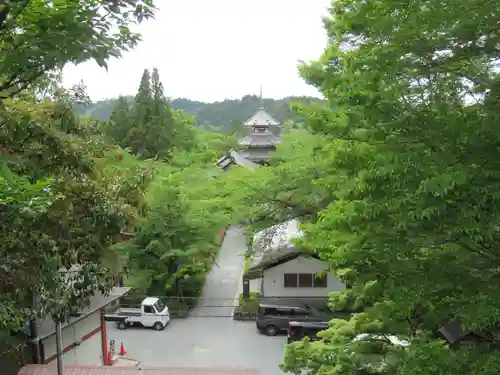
(250, 304)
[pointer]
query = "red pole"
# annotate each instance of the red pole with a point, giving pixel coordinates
(104, 340)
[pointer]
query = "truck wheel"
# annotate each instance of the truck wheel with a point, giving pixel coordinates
(121, 325)
(158, 326)
(271, 330)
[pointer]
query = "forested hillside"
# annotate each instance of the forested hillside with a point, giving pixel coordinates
(219, 114)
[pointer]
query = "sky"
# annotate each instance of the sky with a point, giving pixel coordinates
(215, 50)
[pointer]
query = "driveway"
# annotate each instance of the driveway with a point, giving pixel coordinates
(221, 291)
(203, 342)
(209, 337)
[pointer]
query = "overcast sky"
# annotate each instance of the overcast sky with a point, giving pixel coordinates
(218, 49)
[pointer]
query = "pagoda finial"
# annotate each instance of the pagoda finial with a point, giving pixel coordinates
(261, 98)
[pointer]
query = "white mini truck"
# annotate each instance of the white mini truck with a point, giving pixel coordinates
(152, 314)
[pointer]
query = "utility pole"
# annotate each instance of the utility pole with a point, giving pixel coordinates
(34, 338)
(59, 356)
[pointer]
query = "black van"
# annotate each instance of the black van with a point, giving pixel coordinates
(298, 330)
(275, 314)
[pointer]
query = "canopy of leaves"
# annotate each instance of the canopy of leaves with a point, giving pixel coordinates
(283, 191)
(39, 36)
(60, 207)
(55, 213)
(404, 201)
(178, 240)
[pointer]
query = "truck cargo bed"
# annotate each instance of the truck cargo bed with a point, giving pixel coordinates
(114, 317)
(128, 311)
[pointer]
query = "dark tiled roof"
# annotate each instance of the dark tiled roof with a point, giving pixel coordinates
(261, 117)
(103, 370)
(235, 158)
(260, 140)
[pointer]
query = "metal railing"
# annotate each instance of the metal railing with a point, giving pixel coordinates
(216, 307)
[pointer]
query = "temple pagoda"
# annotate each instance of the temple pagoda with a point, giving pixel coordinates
(262, 137)
(254, 149)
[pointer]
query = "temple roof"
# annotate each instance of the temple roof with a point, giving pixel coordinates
(261, 117)
(235, 158)
(260, 140)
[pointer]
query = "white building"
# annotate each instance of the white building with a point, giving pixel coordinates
(279, 269)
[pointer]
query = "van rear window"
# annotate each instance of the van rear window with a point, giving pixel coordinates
(299, 332)
(269, 311)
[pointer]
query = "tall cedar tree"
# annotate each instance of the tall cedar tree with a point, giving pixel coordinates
(149, 128)
(140, 117)
(163, 126)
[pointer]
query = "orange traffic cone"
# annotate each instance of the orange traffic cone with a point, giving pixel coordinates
(108, 360)
(122, 349)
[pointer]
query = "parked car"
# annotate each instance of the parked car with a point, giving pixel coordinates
(298, 330)
(274, 315)
(152, 314)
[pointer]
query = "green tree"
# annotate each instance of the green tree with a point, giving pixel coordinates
(120, 122)
(178, 239)
(48, 188)
(413, 221)
(50, 182)
(282, 191)
(162, 129)
(137, 137)
(39, 36)
(152, 128)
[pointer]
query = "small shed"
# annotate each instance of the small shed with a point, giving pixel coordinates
(84, 336)
(99, 370)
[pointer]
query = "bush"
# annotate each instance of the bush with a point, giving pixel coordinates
(246, 265)
(251, 304)
(192, 289)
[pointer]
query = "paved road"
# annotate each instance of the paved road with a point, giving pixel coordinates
(222, 286)
(209, 337)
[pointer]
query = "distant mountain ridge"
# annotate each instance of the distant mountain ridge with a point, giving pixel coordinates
(219, 114)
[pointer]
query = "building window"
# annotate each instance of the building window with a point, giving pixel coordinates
(304, 280)
(291, 280)
(320, 280)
